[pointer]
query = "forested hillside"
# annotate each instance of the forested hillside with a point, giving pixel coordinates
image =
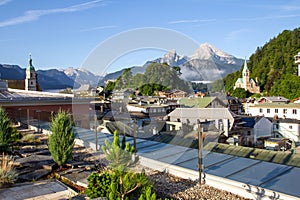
(157, 77)
(274, 66)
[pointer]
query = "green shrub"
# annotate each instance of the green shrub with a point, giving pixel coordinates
(149, 195)
(61, 141)
(99, 184)
(117, 184)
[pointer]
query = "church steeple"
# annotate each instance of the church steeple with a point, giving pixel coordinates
(245, 66)
(246, 74)
(31, 77)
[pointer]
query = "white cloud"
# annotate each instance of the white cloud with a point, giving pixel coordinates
(191, 21)
(32, 15)
(2, 2)
(99, 28)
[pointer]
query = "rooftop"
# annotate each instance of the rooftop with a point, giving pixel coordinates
(199, 102)
(277, 105)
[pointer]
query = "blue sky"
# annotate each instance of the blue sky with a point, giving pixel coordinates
(61, 34)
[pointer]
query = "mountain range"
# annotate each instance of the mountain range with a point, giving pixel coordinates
(52, 79)
(208, 63)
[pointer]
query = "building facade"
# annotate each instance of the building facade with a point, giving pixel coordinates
(276, 110)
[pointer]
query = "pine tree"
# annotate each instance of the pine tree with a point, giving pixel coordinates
(120, 157)
(7, 132)
(61, 141)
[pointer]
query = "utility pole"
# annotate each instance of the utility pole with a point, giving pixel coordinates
(135, 129)
(200, 153)
(95, 125)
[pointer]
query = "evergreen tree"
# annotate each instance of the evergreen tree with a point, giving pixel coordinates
(61, 141)
(8, 134)
(120, 156)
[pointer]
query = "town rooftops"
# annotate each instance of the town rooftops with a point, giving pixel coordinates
(204, 102)
(273, 99)
(286, 120)
(277, 105)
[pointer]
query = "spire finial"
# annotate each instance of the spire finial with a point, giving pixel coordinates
(30, 60)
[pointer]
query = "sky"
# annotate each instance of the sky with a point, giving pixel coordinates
(62, 34)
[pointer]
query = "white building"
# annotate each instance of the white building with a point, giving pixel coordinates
(287, 128)
(277, 110)
(222, 116)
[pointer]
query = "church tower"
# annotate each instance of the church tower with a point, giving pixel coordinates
(246, 75)
(31, 77)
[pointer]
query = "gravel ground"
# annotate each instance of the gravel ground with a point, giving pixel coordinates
(168, 186)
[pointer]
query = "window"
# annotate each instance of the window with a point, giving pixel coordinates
(260, 110)
(276, 110)
(284, 111)
(295, 111)
(268, 110)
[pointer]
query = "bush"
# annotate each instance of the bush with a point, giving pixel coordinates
(99, 184)
(117, 184)
(61, 141)
(31, 138)
(8, 173)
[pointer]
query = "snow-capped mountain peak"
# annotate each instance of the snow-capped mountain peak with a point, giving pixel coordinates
(172, 58)
(207, 51)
